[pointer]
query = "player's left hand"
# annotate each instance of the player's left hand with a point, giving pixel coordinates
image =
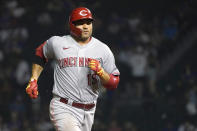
(96, 66)
(32, 89)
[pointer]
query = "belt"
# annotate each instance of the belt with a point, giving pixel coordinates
(78, 105)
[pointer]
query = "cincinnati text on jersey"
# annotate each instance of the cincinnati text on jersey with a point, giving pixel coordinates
(75, 62)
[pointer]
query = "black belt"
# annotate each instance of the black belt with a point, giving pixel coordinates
(78, 105)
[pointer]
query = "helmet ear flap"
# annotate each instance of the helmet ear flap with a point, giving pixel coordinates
(78, 14)
(74, 31)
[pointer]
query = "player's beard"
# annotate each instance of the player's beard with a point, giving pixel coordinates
(85, 36)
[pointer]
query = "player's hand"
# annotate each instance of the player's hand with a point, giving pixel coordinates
(95, 66)
(32, 89)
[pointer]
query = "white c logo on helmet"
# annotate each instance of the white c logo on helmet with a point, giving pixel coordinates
(83, 13)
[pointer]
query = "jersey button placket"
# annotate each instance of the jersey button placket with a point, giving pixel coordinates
(78, 70)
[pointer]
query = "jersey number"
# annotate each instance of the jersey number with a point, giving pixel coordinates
(91, 79)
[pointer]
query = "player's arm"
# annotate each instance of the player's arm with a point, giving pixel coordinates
(110, 81)
(32, 87)
(36, 71)
(37, 68)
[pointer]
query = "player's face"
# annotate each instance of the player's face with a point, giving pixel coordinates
(85, 26)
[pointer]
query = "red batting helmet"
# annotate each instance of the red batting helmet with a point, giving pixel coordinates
(78, 14)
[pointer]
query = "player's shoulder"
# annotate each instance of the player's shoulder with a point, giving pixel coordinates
(99, 43)
(57, 38)
(102, 47)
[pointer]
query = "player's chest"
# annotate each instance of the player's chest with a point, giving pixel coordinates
(73, 51)
(72, 56)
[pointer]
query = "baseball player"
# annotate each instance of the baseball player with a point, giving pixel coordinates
(83, 66)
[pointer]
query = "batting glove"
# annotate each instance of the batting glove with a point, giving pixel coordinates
(96, 66)
(32, 89)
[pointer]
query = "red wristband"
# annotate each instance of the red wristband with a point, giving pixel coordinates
(113, 82)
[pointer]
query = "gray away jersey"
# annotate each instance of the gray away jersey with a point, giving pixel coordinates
(73, 78)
